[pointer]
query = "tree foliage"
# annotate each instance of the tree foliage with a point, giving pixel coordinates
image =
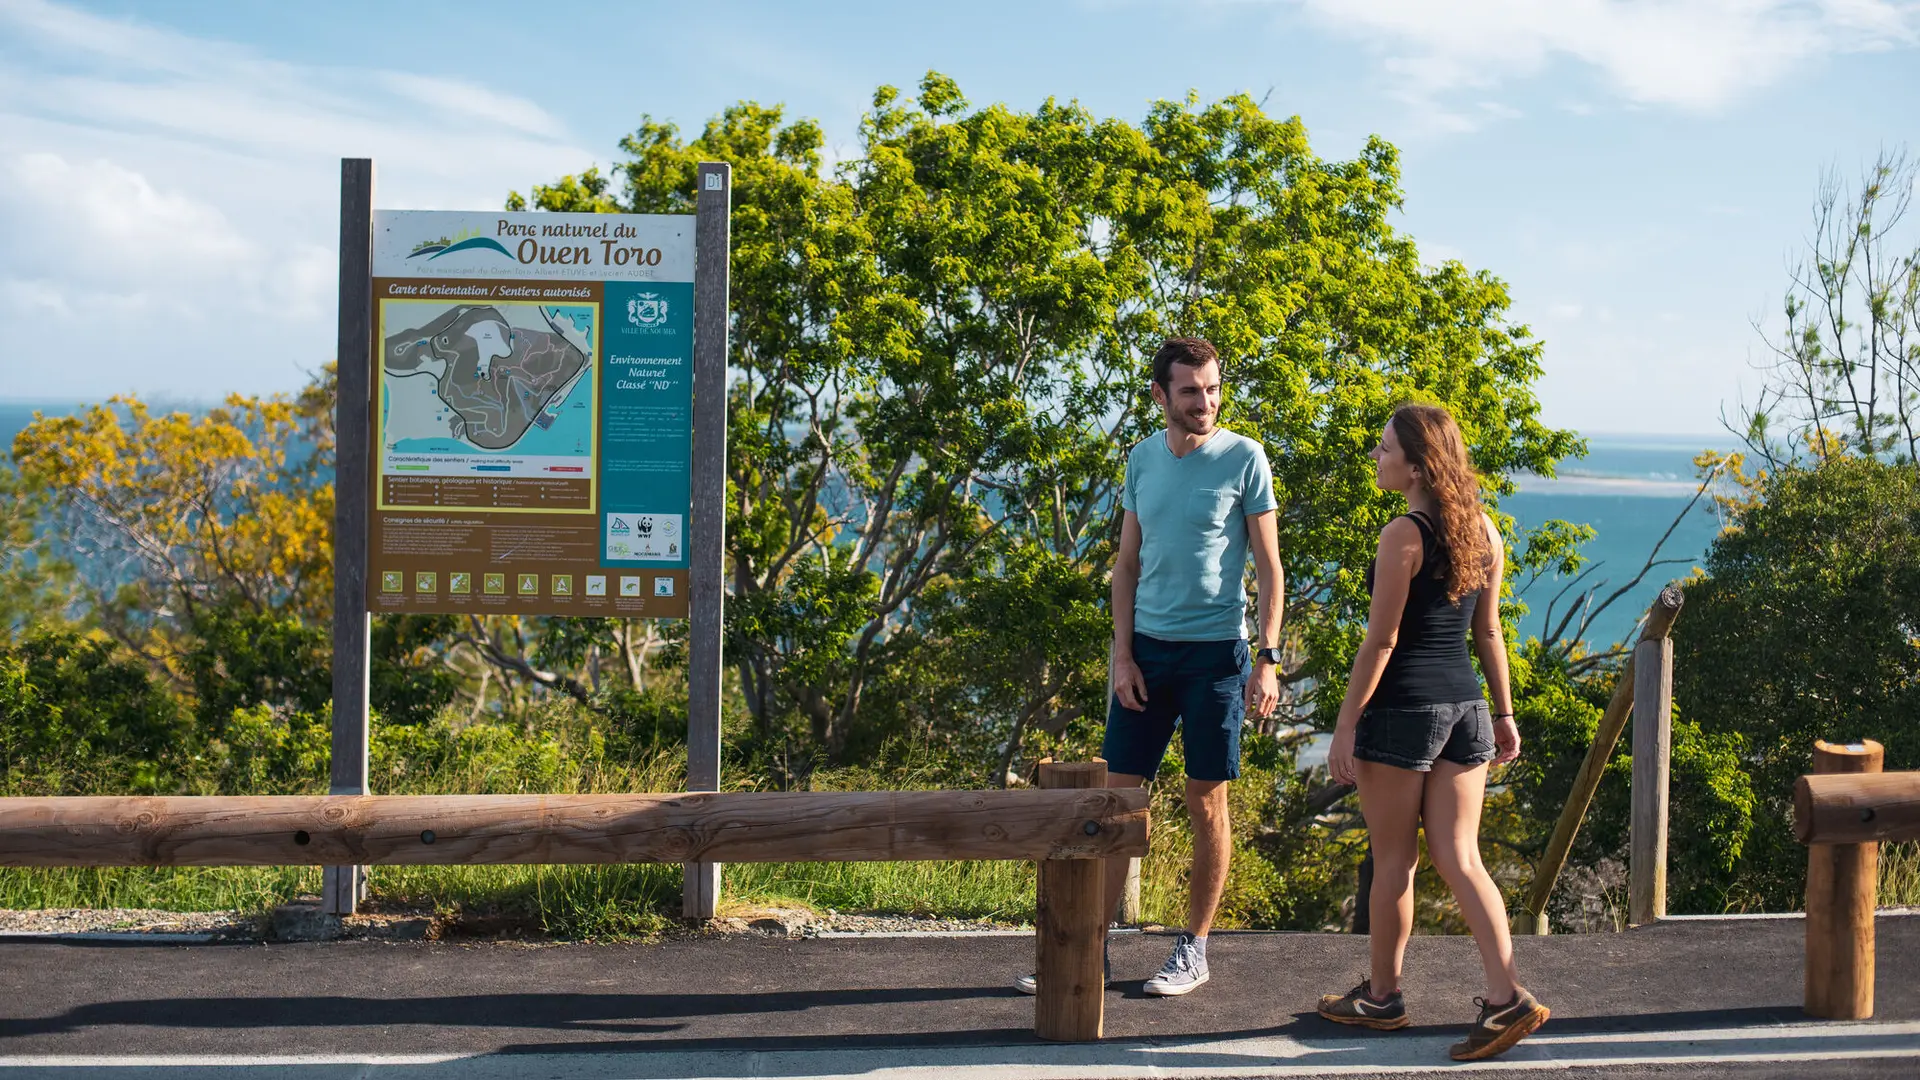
(1845, 373)
(68, 701)
(182, 513)
(1807, 626)
(939, 354)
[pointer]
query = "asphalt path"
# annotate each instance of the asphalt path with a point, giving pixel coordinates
(1693, 998)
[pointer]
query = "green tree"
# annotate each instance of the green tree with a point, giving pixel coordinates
(36, 585)
(230, 506)
(939, 353)
(1807, 626)
(1845, 375)
(238, 658)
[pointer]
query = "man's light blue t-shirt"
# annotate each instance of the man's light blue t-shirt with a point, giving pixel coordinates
(1193, 514)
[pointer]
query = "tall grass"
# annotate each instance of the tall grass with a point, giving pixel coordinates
(1900, 875)
(998, 891)
(192, 888)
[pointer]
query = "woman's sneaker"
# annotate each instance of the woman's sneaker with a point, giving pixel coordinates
(1500, 1026)
(1360, 1008)
(1184, 972)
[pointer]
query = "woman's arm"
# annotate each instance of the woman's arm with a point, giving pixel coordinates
(1398, 560)
(1490, 644)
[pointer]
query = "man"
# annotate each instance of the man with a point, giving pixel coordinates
(1196, 499)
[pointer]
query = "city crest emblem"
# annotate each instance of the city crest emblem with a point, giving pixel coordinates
(647, 309)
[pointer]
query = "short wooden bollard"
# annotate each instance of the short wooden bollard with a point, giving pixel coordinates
(1072, 928)
(1652, 753)
(1842, 886)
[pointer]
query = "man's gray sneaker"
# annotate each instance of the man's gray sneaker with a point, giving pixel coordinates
(1030, 984)
(1186, 969)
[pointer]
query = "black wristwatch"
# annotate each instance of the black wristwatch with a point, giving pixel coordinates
(1270, 655)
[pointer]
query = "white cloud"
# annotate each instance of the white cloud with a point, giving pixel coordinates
(101, 207)
(1695, 55)
(150, 179)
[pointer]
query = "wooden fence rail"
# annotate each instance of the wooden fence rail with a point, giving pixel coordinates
(390, 830)
(1856, 808)
(1067, 826)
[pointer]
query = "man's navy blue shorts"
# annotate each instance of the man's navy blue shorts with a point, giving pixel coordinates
(1200, 684)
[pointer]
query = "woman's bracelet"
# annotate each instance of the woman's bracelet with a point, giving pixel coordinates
(1503, 716)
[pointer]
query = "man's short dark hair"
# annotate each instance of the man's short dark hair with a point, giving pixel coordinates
(1191, 351)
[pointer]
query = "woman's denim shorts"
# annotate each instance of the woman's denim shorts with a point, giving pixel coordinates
(1413, 736)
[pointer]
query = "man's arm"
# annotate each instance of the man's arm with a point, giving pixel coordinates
(1263, 531)
(1128, 684)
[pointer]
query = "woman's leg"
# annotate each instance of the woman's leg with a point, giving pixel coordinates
(1454, 794)
(1390, 799)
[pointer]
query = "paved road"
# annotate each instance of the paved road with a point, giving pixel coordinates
(1680, 999)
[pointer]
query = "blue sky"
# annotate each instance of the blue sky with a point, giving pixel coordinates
(1640, 173)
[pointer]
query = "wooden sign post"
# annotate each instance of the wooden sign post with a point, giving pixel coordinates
(343, 887)
(706, 588)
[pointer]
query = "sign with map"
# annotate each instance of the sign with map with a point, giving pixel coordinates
(531, 413)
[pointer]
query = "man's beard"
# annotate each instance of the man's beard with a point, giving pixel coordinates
(1192, 425)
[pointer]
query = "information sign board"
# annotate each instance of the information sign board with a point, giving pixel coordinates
(531, 413)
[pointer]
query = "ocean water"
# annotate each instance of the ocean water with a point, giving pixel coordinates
(1629, 488)
(16, 415)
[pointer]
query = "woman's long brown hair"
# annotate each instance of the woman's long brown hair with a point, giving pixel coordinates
(1432, 443)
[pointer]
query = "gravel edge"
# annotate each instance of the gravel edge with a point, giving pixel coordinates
(134, 924)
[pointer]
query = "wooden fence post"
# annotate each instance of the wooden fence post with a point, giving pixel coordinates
(1652, 751)
(1532, 916)
(1072, 928)
(1842, 890)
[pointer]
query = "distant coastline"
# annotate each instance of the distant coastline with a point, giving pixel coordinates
(1590, 484)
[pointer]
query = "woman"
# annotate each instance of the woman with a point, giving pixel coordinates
(1415, 732)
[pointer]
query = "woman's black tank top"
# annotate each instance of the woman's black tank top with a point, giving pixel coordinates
(1430, 664)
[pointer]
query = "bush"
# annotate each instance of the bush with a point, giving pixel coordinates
(71, 708)
(1711, 798)
(241, 657)
(1807, 626)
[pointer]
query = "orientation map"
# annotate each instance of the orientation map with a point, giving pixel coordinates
(531, 413)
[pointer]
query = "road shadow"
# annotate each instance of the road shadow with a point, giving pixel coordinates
(626, 1014)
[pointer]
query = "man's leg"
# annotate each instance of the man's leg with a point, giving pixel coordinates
(1212, 708)
(1212, 850)
(1135, 742)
